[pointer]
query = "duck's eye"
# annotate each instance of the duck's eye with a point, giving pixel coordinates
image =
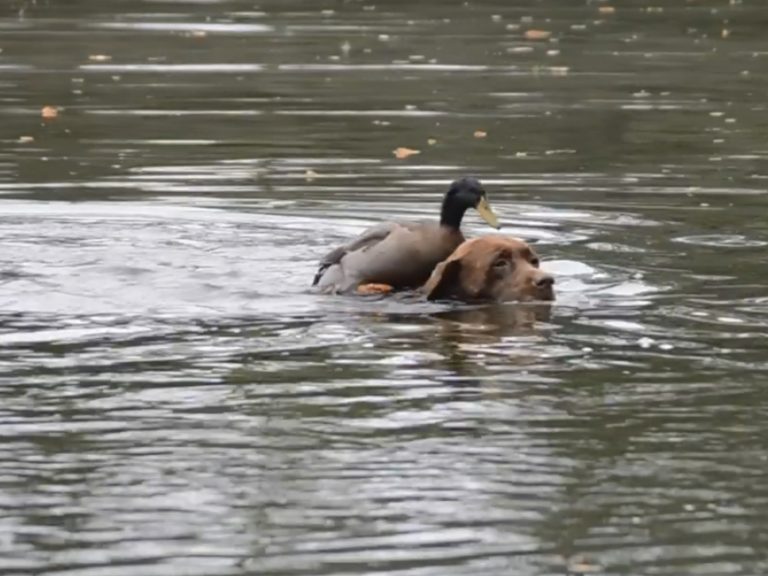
(535, 262)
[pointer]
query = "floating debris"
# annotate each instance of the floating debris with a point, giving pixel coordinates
(537, 34)
(50, 112)
(584, 568)
(402, 152)
(480, 134)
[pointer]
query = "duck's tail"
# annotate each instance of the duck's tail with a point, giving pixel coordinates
(319, 273)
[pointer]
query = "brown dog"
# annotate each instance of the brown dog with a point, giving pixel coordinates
(493, 268)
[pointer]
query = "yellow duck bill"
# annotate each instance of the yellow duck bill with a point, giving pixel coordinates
(484, 209)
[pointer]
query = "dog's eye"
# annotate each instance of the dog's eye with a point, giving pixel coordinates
(535, 262)
(500, 263)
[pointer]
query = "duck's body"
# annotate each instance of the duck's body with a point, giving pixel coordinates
(399, 254)
(402, 255)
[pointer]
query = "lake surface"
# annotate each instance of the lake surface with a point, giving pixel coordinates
(174, 400)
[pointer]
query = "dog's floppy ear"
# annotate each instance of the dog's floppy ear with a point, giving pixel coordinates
(445, 281)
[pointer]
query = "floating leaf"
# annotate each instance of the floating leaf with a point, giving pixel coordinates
(480, 134)
(99, 58)
(607, 9)
(401, 153)
(431, 141)
(26, 139)
(537, 34)
(583, 566)
(310, 175)
(50, 112)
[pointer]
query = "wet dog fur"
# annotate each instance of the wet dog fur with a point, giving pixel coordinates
(491, 268)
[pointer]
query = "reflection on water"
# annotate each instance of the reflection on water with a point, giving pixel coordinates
(175, 400)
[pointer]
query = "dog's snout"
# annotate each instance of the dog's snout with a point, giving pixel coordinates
(544, 281)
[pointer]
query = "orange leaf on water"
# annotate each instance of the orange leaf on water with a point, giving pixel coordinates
(401, 153)
(49, 112)
(537, 34)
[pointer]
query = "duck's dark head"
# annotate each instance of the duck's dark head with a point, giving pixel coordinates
(466, 193)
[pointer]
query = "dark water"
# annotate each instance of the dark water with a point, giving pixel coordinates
(173, 399)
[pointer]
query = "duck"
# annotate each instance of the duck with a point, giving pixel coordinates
(400, 255)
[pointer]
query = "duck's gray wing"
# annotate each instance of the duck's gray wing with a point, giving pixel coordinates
(368, 238)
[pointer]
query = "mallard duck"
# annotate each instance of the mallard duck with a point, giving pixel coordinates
(403, 254)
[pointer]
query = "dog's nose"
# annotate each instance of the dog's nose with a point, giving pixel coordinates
(544, 281)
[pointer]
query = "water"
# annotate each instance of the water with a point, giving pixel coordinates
(175, 401)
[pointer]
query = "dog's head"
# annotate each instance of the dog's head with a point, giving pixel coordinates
(493, 268)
